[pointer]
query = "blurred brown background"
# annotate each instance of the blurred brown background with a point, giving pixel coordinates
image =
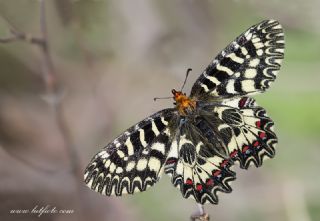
(110, 58)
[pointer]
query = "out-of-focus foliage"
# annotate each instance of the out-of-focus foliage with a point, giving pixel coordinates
(112, 57)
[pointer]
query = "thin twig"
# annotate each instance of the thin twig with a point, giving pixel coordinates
(49, 77)
(16, 35)
(51, 83)
(200, 214)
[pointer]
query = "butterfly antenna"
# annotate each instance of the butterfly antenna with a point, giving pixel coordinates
(158, 98)
(185, 79)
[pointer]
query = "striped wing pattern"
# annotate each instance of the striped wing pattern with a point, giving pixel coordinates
(246, 131)
(201, 157)
(248, 65)
(198, 149)
(195, 166)
(133, 161)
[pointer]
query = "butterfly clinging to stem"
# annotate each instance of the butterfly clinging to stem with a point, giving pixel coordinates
(198, 141)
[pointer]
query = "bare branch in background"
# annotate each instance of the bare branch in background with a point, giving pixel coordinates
(16, 35)
(50, 80)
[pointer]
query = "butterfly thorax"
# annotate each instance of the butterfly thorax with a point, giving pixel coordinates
(183, 103)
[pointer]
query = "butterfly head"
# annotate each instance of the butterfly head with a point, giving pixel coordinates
(183, 103)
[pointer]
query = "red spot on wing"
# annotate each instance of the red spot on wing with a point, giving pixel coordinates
(262, 135)
(209, 182)
(199, 187)
(216, 173)
(189, 182)
(171, 161)
(245, 148)
(234, 153)
(224, 163)
(258, 124)
(256, 143)
(242, 102)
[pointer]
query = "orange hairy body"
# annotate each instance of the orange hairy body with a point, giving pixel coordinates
(183, 102)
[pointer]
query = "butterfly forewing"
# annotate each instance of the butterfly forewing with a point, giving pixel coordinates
(134, 160)
(246, 66)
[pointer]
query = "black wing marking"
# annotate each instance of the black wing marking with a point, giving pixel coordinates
(247, 65)
(196, 168)
(247, 131)
(133, 161)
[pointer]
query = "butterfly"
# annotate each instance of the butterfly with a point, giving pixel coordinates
(198, 141)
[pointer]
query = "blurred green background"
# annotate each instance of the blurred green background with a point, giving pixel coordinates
(111, 57)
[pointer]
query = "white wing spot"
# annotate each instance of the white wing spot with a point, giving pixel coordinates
(277, 27)
(142, 140)
(117, 143)
(248, 85)
(129, 146)
(120, 153)
(130, 166)
(248, 35)
(225, 69)
(280, 50)
(107, 163)
(230, 87)
(258, 45)
(155, 129)
(254, 62)
(154, 164)
(89, 184)
(205, 87)
(112, 167)
(159, 147)
(103, 154)
(259, 52)
(237, 74)
(142, 164)
(213, 80)
(164, 121)
(250, 73)
(235, 58)
(119, 170)
(244, 51)
(145, 151)
(255, 40)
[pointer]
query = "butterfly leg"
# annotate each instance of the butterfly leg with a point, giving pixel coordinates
(200, 214)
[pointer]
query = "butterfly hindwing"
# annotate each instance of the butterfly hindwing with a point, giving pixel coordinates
(246, 66)
(247, 130)
(134, 160)
(196, 168)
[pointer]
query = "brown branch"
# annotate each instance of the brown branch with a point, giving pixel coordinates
(50, 80)
(200, 214)
(49, 77)
(49, 74)
(16, 35)
(51, 83)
